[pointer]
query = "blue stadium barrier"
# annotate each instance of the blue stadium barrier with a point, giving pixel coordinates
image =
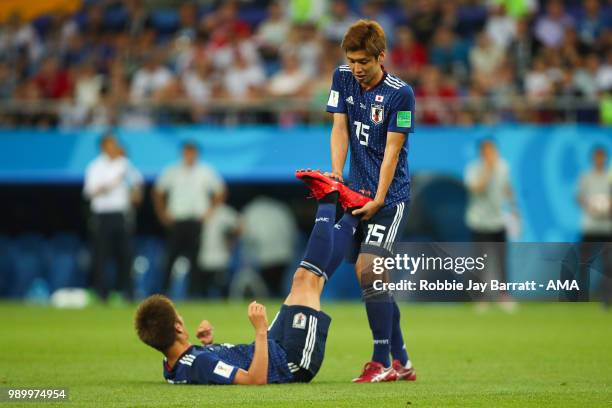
(62, 262)
(440, 206)
(28, 263)
(6, 265)
(545, 161)
(148, 264)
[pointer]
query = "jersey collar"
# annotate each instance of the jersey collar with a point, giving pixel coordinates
(170, 369)
(378, 83)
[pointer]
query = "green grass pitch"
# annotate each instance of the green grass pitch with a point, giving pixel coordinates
(544, 355)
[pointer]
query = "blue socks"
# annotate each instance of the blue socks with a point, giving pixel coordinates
(398, 347)
(328, 240)
(343, 236)
(320, 244)
(379, 308)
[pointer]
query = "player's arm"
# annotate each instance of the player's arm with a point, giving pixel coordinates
(258, 370)
(340, 134)
(395, 143)
(339, 144)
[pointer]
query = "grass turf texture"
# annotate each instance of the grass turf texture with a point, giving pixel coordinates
(544, 355)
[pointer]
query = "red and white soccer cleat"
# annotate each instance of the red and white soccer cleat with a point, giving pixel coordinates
(403, 373)
(352, 199)
(375, 372)
(320, 185)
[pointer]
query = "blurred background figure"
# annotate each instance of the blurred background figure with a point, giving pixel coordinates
(112, 184)
(269, 240)
(594, 197)
(487, 180)
(184, 196)
(220, 234)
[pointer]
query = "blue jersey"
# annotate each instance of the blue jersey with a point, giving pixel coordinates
(387, 107)
(219, 363)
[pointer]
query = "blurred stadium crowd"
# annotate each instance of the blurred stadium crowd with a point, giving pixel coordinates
(142, 63)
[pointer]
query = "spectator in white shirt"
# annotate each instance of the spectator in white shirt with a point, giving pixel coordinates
(550, 28)
(185, 196)
(272, 32)
(111, 182)
(151, 80)
(291, 80)
(245, 79)
(501, 27)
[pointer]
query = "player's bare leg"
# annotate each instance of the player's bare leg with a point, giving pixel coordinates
(306, 289)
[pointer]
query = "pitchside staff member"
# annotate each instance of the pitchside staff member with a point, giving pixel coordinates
(184, 196)
(594, 197)
(110, 183)
(488, 183)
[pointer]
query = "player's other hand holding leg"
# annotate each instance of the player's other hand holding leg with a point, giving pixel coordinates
(257, 316)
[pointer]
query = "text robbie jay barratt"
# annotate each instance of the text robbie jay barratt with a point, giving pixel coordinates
(472, 285)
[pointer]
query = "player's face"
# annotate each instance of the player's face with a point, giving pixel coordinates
(365, 68)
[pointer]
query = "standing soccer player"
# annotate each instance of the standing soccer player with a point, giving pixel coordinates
(373, 113)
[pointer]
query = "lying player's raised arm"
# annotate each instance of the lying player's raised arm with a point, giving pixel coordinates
(339, 143)
(258, 370)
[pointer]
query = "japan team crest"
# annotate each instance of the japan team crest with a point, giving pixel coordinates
(299, 321)
(377, 113)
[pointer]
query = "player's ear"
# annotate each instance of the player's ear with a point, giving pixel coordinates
(381, 57)
(178, 327)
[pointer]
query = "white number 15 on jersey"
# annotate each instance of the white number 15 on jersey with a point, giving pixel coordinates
(361, 131)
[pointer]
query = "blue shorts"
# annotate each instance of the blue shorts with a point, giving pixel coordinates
(377, 235)
(302, 332)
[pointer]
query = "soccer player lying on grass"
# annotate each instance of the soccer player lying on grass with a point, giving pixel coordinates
(292, 348)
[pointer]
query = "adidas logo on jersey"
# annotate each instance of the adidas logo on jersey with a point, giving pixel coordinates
(350, 100)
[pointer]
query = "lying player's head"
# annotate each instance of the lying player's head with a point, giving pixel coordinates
(158, 324)
(364, 44)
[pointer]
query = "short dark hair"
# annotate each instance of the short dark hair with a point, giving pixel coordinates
(486, 141)
(190, 145)
(599, 149)
(365, 35)
(154, 322)
(106, 137)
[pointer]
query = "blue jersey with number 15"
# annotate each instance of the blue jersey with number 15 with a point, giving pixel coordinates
(387, 107)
